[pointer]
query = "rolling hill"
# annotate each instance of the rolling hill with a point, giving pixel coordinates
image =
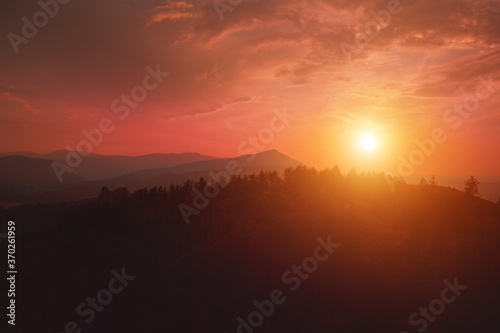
(94, 166)
(32, 190)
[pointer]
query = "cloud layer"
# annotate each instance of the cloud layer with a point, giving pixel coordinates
(402, 72)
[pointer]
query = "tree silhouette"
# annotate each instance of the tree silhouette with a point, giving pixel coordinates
(422, 182)
(472, 186)
(433, 181)
(243, 235)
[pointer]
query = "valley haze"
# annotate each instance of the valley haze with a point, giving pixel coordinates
(27, 177)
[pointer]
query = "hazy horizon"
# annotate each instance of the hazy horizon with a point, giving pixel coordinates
(345, 169)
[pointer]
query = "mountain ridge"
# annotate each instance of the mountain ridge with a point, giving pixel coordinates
(81, 187)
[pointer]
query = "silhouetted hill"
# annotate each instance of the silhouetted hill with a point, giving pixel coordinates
(261, 160)
(150, 177)
(19, 174)
(489, 187)
(94, 166)
(25, 154)
(395, 248)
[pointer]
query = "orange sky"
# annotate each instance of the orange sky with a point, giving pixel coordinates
(227, 76)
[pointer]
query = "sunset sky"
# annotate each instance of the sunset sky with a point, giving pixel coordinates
(228, 77)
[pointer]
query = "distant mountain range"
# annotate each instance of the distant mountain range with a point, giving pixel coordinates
(96, 166)
(27, 177)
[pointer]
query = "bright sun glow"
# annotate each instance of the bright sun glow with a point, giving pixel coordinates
(368, 142)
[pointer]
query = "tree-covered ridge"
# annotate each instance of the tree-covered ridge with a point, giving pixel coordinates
(399, 242)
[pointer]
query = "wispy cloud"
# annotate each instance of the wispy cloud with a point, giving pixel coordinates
(18, 103)
(172, 10)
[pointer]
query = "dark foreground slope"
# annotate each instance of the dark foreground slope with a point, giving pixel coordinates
(396, 249)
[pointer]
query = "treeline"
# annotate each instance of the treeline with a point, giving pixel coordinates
(399, 242)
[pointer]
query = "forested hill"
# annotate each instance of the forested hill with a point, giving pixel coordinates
(396, 245)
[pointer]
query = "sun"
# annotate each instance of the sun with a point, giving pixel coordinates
(368, 142)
